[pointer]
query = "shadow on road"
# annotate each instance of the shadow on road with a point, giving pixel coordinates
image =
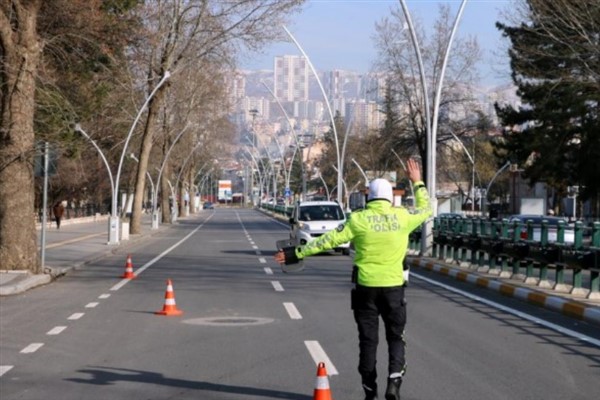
(109, 376)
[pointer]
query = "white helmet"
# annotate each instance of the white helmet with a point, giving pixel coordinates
(380, 189)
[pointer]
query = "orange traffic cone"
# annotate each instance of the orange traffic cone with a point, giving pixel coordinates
(322, 391)
(128, 269)
(170, 308)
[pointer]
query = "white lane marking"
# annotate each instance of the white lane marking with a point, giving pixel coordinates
(158, 257)
(277, 286)
(252, 242)
(318, 355)
(292, 311)
(535, 320)
(32, 348)
(56, 330)
(262, 260)
(255, 247)
(258, 253)
(91, 305)
(268, 271)
(76, 315)
(5, 368)
(104, 296)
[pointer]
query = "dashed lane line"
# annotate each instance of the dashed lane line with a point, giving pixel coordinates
(268, 271)
(104, 296)
(32, 348)
(5, 368)
(56, 330)
(277, 286)
(76, 316)
(262, 260)
(292, 311)
(318, 355)
(91, 305)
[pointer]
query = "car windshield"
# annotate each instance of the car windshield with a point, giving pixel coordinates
(321, 213)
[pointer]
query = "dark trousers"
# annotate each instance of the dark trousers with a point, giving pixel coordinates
(368, 303)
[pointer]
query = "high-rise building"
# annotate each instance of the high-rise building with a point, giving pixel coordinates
(290, 78)
(363, 114)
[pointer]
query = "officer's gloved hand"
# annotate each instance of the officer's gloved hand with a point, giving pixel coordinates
(290, 255)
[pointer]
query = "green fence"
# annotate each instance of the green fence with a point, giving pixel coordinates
(508, 248)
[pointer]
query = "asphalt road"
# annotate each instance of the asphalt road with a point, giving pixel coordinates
(249, 331)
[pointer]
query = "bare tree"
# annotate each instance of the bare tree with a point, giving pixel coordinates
(396, 57)
(182, 33)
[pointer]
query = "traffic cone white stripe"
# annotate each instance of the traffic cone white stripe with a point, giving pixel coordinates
(170, 302)
(322, 383)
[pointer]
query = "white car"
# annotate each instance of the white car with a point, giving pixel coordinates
(311, 219)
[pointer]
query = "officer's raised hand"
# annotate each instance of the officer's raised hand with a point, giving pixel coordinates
(414, 171)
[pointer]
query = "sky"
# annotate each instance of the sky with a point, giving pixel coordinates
(337, 34)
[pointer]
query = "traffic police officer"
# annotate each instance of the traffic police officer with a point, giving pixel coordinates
(379, 235)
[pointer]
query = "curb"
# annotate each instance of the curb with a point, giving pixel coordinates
(569, 308)
(25, 284)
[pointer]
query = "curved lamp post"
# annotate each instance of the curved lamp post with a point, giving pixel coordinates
(431, 125)
(340, 166)
(287, 185)
(412, 192)
(113, 223)
(487, 189)
(362, 172)
(160, 171)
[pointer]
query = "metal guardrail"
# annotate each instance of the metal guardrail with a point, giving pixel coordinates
(498, 247)
(277, 209)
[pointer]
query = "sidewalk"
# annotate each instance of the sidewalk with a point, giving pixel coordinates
(77, 243)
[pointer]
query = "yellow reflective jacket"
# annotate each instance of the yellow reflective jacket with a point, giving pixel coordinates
(379, 235)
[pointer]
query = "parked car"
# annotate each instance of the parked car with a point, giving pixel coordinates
(208, 205)
(311, 219)
(537, 227)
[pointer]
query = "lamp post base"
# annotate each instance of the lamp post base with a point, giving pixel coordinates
(113, 230)
(155, 220)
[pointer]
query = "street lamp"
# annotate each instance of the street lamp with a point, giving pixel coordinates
(362, 172)
(431, 125)
(340, 160)
(292, 128)
(160, 171)
(412, 192)
(487, 190)
(113, 224)
(472, 160)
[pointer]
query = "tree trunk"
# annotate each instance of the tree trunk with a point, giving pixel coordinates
(20, 53)
(165, 190)
(142, 168)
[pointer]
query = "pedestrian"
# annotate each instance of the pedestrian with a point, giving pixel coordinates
(379, 234)
(59, 211)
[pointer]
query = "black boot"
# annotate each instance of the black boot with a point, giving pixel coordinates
(370, 391)
(393, 389)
